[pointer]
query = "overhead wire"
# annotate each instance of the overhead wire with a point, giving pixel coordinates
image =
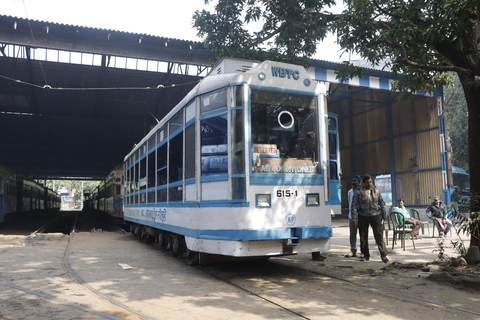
(48, 87)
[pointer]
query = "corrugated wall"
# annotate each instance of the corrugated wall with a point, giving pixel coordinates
(371, 120)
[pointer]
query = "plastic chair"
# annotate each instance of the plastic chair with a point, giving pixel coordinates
(416, 215)
(400, 229)
(387, 226)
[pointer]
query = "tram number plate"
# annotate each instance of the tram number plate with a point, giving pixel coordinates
(287, 193)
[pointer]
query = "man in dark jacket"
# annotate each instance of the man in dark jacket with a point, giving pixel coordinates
(438, 211)
(368, 208)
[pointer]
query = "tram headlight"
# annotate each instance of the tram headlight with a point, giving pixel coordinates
(313, 199)
(264, 200)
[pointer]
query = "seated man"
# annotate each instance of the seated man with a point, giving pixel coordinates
(438, 211)
(407, 218)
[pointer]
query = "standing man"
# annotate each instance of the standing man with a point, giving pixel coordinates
(407, 219)
(353, 230)
(438, 212)
(368, 208)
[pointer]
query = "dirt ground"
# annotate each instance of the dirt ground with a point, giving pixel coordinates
(35, 282)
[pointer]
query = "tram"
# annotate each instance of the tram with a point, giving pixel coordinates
(241, 167)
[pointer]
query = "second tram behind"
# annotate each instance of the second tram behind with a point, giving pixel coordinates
(246, 165)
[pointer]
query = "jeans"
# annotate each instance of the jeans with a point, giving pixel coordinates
(353, 236)
(376, 223)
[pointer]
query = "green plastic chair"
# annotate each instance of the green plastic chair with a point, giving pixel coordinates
(401, 229)
(416, 215)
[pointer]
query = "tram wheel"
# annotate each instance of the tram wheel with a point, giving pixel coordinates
(192, 258)
(174, 247)
(149, 238)
(138, 232)
(161, 240)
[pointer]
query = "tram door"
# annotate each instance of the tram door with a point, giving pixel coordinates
(334, 161)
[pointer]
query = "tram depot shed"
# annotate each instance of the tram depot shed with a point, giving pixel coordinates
(48, 133)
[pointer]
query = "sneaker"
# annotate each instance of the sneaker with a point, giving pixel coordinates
(365, 259)
(351, 254)
(441, 234)
(385, 259)
(417, 237)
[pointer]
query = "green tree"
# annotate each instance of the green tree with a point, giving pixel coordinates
(421, 40)
(457, 117)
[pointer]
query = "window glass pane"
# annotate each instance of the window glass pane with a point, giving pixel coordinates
(160, 136)
(176, 159)
(213, 101)
(190, 152)
(151, 170)
(190, 111)
(151, 197)
(332, 146)
(162, 166)
(239, 96)
(162, 195)
(151, 142)
(135, 177)
(238, 156)
(176, 194)
(176, 123)
(214, 145)
(143, 174)
(284, 133)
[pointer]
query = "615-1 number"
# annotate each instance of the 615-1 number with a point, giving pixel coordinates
(286, 193)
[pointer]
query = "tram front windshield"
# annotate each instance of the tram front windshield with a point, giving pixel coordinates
(284, 133)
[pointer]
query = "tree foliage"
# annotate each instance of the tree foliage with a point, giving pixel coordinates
(288, 30)
(458, 117)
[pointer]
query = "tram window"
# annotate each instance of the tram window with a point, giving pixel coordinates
(160, 136)
(190, 152)
(151, 197)
(176, 123)
(190, 111)
(175, 165)
(162, 195)
(143, 174)
(214, 145)
(176, 194)
(162, 166)
(214, 101)
(333, 170)
(135, 177)
(151, 170)
(239, 96)
(332, 146)
(238, 157)
(151, 143)
(284, 131)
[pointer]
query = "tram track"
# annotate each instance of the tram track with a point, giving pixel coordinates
(370, 289)
(72, 275)
(34, 233)
(76, 278)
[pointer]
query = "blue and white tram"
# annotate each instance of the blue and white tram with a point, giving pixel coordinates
(240, 167)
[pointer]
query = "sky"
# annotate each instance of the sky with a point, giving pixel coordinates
(165, 18)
